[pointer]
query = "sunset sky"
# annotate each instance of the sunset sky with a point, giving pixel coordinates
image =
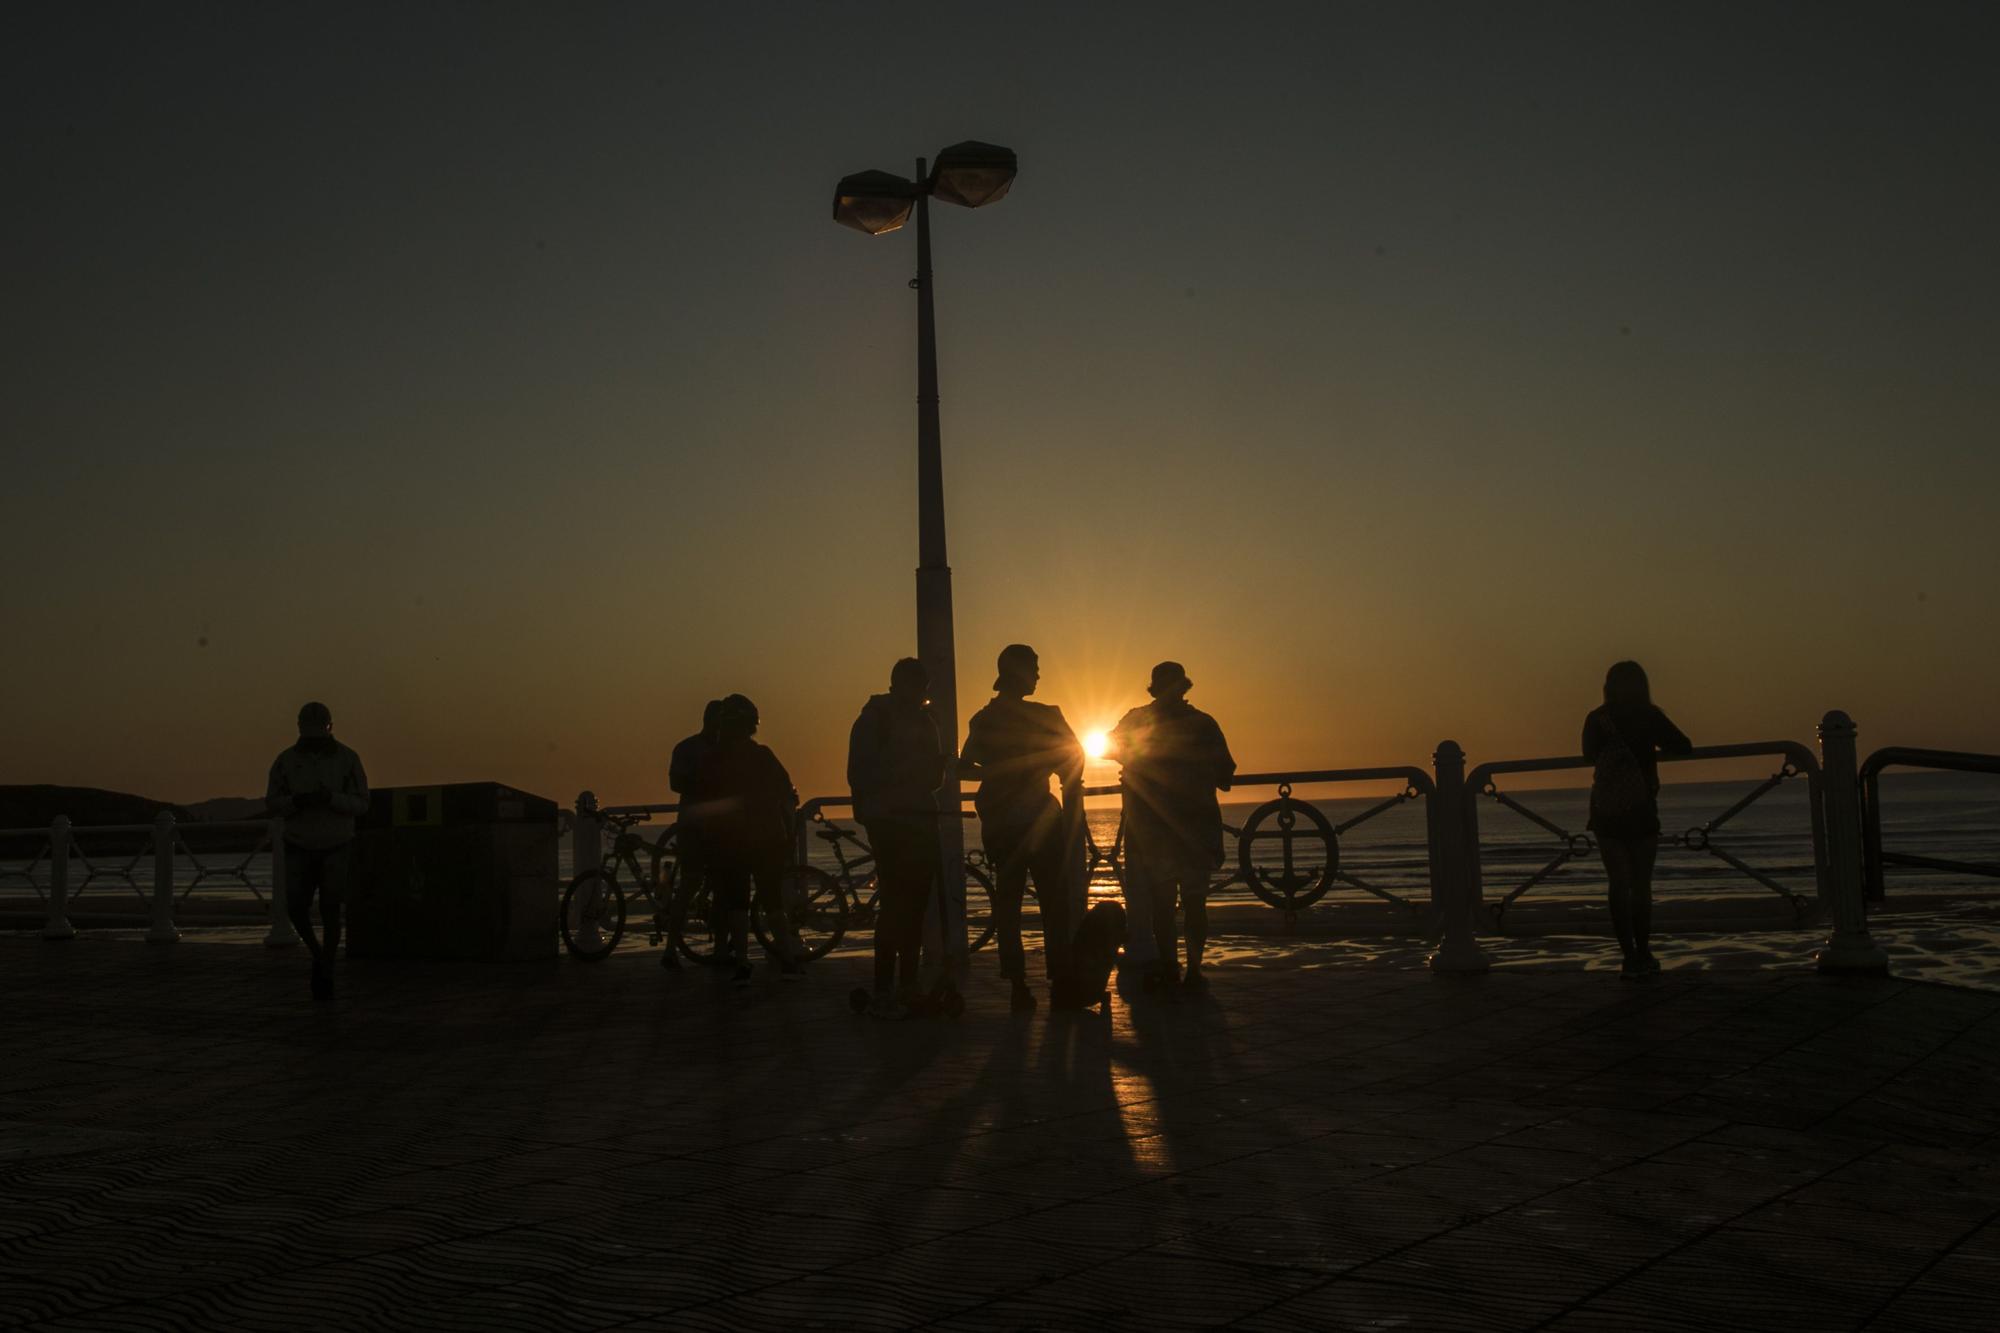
(496, 374)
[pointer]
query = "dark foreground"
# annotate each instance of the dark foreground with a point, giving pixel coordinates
(185, 1142)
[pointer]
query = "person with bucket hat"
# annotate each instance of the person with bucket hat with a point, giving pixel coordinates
(1015, 747)
(1173, 761)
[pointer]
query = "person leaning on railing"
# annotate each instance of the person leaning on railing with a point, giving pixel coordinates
(319, 788)
(743, 811)
(1174, 760)
(1623, 740)
(895, 764)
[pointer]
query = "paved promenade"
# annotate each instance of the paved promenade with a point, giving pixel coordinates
(187, 1143)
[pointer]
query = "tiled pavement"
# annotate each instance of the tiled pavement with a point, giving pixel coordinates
(185, 1142)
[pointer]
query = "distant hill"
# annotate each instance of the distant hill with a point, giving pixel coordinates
(36, 805)
(221, 808)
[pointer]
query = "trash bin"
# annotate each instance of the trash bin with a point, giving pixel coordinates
(467, 870)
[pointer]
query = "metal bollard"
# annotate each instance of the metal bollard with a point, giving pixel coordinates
(1850, 948)
(282, 935)
(1458, 944)
(164, 838)
(58, 927)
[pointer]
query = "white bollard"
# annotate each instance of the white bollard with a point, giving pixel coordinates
(1850, 948)
(58, 927)
(281, 935)
(164, 838)
(1458, 945)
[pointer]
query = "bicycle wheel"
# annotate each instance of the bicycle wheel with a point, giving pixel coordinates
(695, 930)
(978, 907)
(593, 915)
(815, 909)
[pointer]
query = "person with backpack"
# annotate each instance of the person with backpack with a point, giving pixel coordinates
(743, 808)
(1015, 747)
(1623, 740)
(1173, 761)
(895, 764)
(318, 786)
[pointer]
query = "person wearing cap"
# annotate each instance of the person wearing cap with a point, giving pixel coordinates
(1015, 746)
(895, 764)
(318, 787)
(742, 807)
(1173, 761)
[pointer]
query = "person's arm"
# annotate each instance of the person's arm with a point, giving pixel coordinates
(1592, 742)
(974, 753)
(352, 798)
(1670, 738)
(864, 755)
(1066, 750)
(278, 790)
(1225, 762)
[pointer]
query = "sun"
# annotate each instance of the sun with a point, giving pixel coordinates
(1095, 743)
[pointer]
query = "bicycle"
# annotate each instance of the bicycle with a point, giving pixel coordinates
(593, 903)
(860, 893)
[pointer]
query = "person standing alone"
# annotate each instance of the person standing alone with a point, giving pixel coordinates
(318, 786)
(1016, 746)
(1623, 740)
(895, 763)
(1174, 760)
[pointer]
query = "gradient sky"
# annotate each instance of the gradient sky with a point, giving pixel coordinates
(496, 374)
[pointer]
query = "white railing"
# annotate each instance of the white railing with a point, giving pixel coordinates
(62, 850)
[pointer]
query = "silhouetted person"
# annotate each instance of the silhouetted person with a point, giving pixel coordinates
(1623, 740)
(743, 809)
(682, 766)
(1174, 761)
(319, 788)
(895, 763)
(1017, 746)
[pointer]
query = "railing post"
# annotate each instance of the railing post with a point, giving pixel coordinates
(164, 837)
(1849, 948)
(281, 935)
(1458, 946)
(1872, 878)
(58, 927)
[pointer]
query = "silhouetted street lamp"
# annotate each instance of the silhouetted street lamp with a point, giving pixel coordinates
(971, 175)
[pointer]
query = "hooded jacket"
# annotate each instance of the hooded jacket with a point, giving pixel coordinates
(313, 766)
(895, 761)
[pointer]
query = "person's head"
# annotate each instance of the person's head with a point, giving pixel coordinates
(1019, 670)
(315, 720)
(1625, 686)
(910, 683)
(710, 715)
(736, 719)
(1170, 681)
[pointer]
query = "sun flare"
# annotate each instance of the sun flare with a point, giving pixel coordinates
(1095, 743)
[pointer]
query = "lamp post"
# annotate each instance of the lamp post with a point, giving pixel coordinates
(971, 175)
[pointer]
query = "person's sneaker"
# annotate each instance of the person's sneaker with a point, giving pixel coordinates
(741, 979)
(1632, 968)
(1196, 980)
(1023, 1001)
(322, 985)
(1649, 964)
(888, 1008)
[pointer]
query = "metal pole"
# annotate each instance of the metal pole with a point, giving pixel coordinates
(944, 939)
(1458, 946)
(58, 927)
(282, 934)
(163, 931)
(1850, 948)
